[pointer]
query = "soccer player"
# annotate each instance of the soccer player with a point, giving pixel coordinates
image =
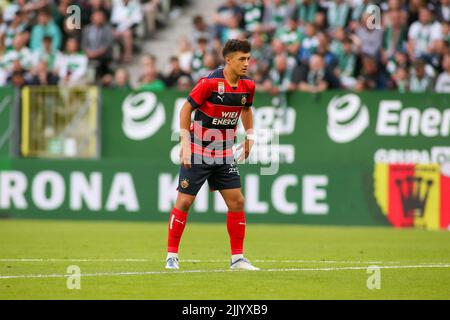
(206, 148)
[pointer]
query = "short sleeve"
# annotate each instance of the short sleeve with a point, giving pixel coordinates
(199, 93)
(251, 90)
(436, 32)
(413, 30)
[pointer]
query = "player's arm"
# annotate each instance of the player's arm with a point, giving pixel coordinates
(185, 138)
(247, 122)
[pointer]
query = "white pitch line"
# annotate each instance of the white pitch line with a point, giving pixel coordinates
(213, 271)
(204, 261)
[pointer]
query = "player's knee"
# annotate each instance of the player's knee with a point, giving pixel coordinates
(183, 204)
(237, 204)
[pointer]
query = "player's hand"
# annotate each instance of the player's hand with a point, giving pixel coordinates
(185, 157)
(246, 146)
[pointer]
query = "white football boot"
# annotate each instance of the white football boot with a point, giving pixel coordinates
(172, 263)
(242, 264)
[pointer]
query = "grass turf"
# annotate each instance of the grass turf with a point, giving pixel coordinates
(316, 253)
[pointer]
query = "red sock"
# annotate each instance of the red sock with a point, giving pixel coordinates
(177, 222)
(236, 230)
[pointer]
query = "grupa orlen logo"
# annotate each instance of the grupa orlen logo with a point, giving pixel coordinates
(347, 118)
(143, 116)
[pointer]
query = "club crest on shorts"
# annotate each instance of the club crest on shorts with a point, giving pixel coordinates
(221, 87)
(184, 183)
(244, 99)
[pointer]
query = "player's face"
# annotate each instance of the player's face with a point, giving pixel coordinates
(238, 62)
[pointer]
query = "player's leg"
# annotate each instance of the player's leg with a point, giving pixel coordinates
(236, 227)
(190, 182)
(177, 223)
(227, 180)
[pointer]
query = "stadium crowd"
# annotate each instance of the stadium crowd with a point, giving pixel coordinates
(75, 42)
(305, 45)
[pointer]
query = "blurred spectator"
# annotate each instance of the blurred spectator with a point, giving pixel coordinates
(73, 64)
(97, 42)
(347, 61)
(395, 34)
(309, 44)
(97, 5)
(372, 76)
(148, 62)
(357, 13)
(279, 79)
(46, 53)
(45, 27)
(201, 30)
(423, 35)
(222, 17)
(185, 54)
(413, 7)
(261, 56)
(338, 14)
(421, 78)
(210, 63)
(150, 8)
(59, 12)
(175, 73)
(197, 59)
(18, 79)
(336, 45)
(399, 60)
(290, 35)
(307, 11)
(314, 77)
(19, 53)
(150, 81)
(443, 10)
(16, 26)
(278, 48)
(120, 80)
(233, 30)
(275, 14)
(35, 5)
(29, 7)
(446, 32)
(43, 76)
(323, 49)
(370, 39)
(401, 79)
(443, 80)
(253, 14)
(184, 83)
(126, 16)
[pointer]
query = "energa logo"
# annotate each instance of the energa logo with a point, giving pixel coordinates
(143, 116)
(347, 118)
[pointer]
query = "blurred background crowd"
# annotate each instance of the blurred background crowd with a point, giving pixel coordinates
(298, 45)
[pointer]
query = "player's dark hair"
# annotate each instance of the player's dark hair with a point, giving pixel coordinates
(235, 45)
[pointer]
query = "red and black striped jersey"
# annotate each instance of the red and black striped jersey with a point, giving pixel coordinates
(217, 110)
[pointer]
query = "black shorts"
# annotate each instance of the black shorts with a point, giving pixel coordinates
(221, 175)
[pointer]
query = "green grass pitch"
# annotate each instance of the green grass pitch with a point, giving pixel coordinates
(125, 260)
